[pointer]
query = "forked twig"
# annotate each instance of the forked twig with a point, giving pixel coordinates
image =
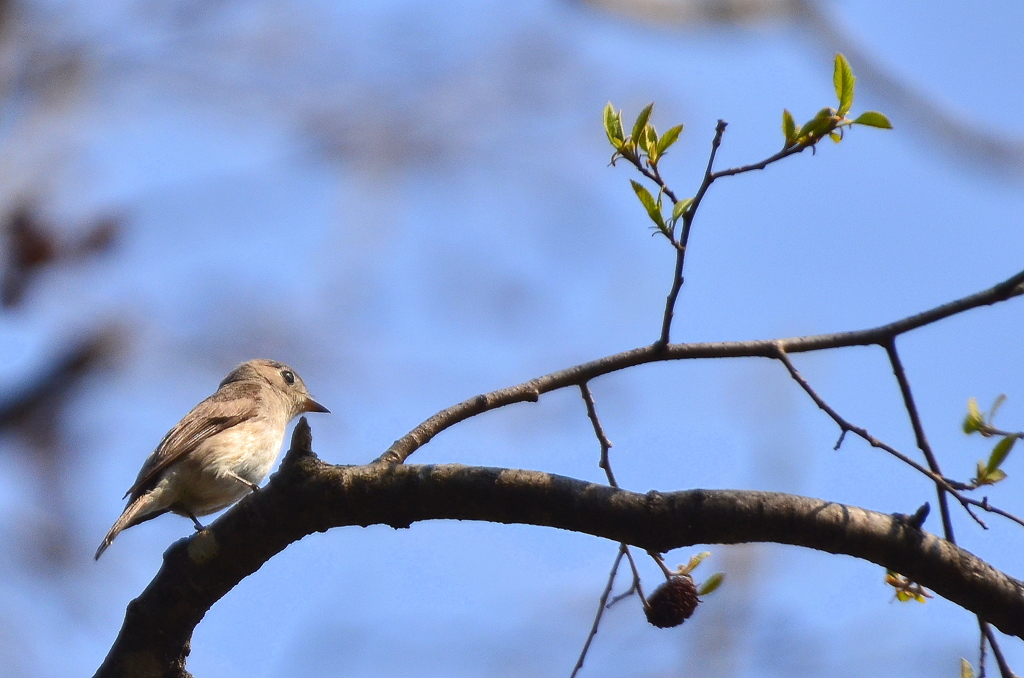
(600, 611)
(947, 485)
(605, 463)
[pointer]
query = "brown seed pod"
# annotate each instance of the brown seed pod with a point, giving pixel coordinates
(673, 602)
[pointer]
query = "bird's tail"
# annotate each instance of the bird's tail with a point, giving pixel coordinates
(138, 510)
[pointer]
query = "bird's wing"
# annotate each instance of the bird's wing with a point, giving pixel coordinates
(226, 408)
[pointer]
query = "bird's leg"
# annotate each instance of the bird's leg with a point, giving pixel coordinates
(195, 521)
(252, 486)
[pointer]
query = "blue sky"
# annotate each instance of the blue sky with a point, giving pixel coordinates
(410, 203)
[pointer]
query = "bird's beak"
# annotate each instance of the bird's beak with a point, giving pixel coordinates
(311, 405)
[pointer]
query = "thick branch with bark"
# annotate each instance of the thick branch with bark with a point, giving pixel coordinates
(308, 495)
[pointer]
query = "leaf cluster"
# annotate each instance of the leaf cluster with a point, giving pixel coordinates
(989, 472)
(906, 589)
(831, 122)
(644, 148)
(643, 143)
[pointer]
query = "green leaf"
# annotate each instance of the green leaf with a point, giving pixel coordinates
(613, 125)
(652, 207)
(842, 78)
(966, 671)
(695, 561)
(873, 119)
(645, 196)
(996, 405)
(819, 125)
(641, 123)
(835, 136)
(680, 207)
(999, 453)
(789, 129)
(974, 421)
(644, 140)
(988, 477)
(992, 477)
(972, 407)
(609, 123)
(651, 135)
(713, 582)
(668, 138)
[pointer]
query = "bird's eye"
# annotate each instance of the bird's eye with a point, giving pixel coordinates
(288, 377)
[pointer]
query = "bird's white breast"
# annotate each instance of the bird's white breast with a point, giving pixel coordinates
(204, 482)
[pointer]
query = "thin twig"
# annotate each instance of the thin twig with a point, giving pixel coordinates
(636, 578)
(845, 425)
(622, 596)
(661, 563)
(530, 391)
(784, 153)
(947, 484)
(1004, 667)
(967, 507)
(922, 439)
(985, 506)
(606, 444)
(688, 215)
(600, 611)
(670, 300)
(653, 174)
(634, 587)
(989, 431)
(605, 463)
(982, 648)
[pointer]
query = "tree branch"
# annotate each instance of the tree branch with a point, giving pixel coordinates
(307, 495)
(688, 216)
(943, 484)
(919, 434)
(531, 391)
(601, 606)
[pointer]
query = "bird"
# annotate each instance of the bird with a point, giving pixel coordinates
(221, 450)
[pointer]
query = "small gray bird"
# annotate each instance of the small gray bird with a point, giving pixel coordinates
(221, 450)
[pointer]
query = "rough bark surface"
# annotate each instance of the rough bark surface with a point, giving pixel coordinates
(308, 495)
